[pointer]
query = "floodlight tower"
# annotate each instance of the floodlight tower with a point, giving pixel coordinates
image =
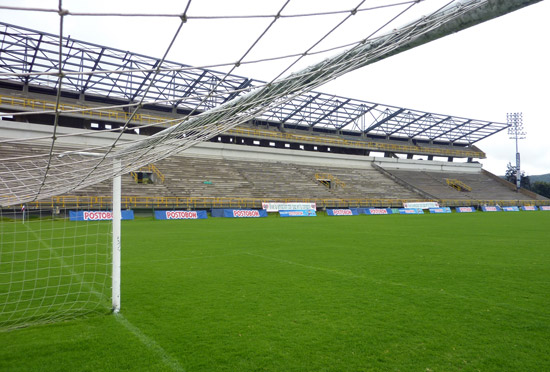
(515, 131)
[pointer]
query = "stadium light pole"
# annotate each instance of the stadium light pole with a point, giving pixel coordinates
(515, 131)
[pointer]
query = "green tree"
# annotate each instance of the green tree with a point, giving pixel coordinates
(541, 188)
(510, 176)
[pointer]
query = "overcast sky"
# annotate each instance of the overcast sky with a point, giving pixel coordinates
(484, 72)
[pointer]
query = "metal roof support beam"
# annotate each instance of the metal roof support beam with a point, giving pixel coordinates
(328, 113)
(246, 83)
(144, 80)
(433, 125)
(452, 129)
(385, 120)
(410, 123)
(489, 134)
(37, 48)
(304, 105)
(96, 63)
(191, 87)
(473, 131)
(355, 117)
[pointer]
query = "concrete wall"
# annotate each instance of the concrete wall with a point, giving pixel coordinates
(253, 153)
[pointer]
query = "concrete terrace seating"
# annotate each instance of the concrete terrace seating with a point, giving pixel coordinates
(186, 177)
(433, 183)
(203, 177)
(363, 183)
(278, 180)
(190, 176)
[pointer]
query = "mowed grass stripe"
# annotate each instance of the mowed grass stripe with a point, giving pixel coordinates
(440, 292)
(367, 293)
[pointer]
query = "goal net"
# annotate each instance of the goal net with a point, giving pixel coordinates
(53, 268)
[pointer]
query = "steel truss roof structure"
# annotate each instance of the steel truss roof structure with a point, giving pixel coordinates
(30, 57)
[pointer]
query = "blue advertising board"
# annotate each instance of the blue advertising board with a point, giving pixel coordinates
(490, 208)
(529, 208)
(240, 213)
(410, 211)
(440, 210)
(342, 212)
(98, 215)
(297, 213)
(510, 209)
(180, 215)
(375, 211)
(465, 209)
(544, 207)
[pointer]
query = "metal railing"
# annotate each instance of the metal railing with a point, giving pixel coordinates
(457, 184)
(106, 114)
(329, 177)
(151, 168)
(367, 145)
(163, 202)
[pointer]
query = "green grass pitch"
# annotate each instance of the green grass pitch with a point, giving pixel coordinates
(458, 292)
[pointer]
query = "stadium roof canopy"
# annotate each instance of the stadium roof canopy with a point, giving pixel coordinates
(30, 58)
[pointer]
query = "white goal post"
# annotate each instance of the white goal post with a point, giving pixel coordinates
(117, 217)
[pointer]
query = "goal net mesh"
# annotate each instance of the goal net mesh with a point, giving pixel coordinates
(51, 268)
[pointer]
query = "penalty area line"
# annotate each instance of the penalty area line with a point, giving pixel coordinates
(150, 343)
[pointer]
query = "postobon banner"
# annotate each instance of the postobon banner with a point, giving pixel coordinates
(465, 209)
(342, 212)
(98, 215)
(375, 211)
(244, 213)
(180, 215)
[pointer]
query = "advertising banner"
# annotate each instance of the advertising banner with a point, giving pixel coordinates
(373, 211)
(465, 209)
(440, 210)
(510, 209)
(529, 208)
(276, 207)
(342, 212)
(544, 207)
(244, 213)
(180, 215)
(411, 211)
(300, 213)
(490, 208)
(98, 215)
(421, 205)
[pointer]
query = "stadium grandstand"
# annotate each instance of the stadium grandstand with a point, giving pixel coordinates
(315, 147)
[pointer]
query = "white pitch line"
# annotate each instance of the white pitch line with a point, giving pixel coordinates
(147, 341)
(150, 343)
